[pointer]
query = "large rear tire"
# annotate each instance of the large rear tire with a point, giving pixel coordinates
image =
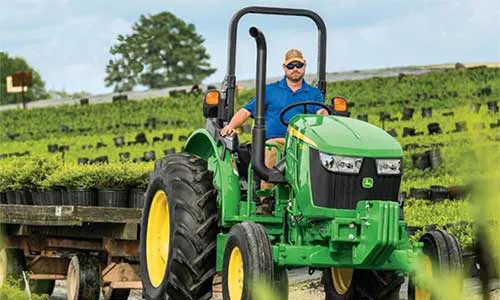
(179, 230)
(247, 261)
(357, 284)
(443, 256)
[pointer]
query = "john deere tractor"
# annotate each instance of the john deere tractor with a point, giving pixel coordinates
(336, 209)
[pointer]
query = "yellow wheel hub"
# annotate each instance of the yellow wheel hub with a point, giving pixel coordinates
(235, 275)
(3, 266)
(158, 238)
(423, 294)
(342, 279)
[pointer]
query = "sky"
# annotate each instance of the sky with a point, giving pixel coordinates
(68, 41)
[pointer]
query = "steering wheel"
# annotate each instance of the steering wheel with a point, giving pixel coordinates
(305, 104)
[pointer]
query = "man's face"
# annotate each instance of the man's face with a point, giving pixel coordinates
(295, 74)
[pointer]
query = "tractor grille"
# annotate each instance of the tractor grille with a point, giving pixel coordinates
(334, 190)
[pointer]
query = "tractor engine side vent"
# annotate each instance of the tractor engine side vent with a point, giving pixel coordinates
(335, 190)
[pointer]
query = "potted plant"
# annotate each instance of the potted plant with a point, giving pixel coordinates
(80, 182)
(113, 186)
(139, 183)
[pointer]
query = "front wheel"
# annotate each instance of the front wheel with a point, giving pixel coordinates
(442, 257)
(247, 262)
(358, 284)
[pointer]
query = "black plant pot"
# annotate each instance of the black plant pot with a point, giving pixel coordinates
(140, 138)
(457, 192)
(421, 161)
(169, 151)
(426, 112)
(420, 193)
(448, 114)
(461, 126)
(435, 158)
(52, 148)
(408, 113)
(3, 198)
(393, 132)
(124, 156)
(149, 156)
(363, 117)
(37, 197)
(407, 131)
(137, 198)
(84, 101)
(65, 197)
(434, 128)
(52, 197)
(113, 197)
(19, 197)
(413, 229)
(383, 116)
(493, 106)
(410, 146)
(83, 160)
(119, 141)
(439, 193)
(183, 138)
(168, 136)
(81, 197)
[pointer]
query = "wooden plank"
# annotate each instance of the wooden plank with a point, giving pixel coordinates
(66, 215)
(86, 230)
(47, 276)
(136, 285)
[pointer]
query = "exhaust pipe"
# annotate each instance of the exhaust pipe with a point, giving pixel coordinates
(259, 129)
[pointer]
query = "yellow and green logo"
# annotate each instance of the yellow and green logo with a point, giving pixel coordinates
(367, 183)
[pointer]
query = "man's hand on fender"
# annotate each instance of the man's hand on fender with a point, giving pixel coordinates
(227, 130)
(322, 112)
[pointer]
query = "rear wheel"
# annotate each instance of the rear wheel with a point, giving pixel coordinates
(247, 261)
(442, 256)
(179, 230)
(350, 284)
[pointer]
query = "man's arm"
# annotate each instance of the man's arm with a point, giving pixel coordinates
(236, 121)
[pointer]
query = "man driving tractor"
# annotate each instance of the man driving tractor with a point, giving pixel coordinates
(291, 89)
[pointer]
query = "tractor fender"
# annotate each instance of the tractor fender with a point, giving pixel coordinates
(226, 178)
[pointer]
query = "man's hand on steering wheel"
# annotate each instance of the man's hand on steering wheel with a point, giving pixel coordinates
(325, 109)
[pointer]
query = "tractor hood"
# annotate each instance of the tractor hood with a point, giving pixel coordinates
(344, 136)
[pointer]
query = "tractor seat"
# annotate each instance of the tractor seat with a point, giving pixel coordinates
(244, 157)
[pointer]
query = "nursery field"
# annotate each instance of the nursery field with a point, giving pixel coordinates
(448, 124)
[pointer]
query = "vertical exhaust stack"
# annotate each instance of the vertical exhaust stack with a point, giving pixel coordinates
(259, 129)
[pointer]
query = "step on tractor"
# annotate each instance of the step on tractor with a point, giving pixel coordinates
(336, 209)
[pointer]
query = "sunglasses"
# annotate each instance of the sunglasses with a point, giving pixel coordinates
(292, 65)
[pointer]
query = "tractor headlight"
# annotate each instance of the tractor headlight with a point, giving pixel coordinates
(341, 164)
(389, 166)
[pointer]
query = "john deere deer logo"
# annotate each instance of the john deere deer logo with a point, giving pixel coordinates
(367, 183)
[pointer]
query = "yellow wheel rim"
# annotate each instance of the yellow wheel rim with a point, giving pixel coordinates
(158, 238)
(3, 266)
(235, 275)
(423, 294)
(342, 279)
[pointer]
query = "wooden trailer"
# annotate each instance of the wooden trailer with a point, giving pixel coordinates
(96, 249)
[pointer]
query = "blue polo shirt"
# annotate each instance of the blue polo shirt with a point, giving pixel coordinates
(279, 96)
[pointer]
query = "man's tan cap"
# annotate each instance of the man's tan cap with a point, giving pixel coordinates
(293, 55)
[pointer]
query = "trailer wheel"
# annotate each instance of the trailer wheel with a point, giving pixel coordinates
(83, 278)
(350, 284)
(115, 294)
(179, 230)
(443, 256)
(12, 264)
(42, 286)
(247, 261)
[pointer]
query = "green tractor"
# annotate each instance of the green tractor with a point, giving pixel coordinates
(336, 187)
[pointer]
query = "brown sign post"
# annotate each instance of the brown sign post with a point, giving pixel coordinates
(22, 79)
